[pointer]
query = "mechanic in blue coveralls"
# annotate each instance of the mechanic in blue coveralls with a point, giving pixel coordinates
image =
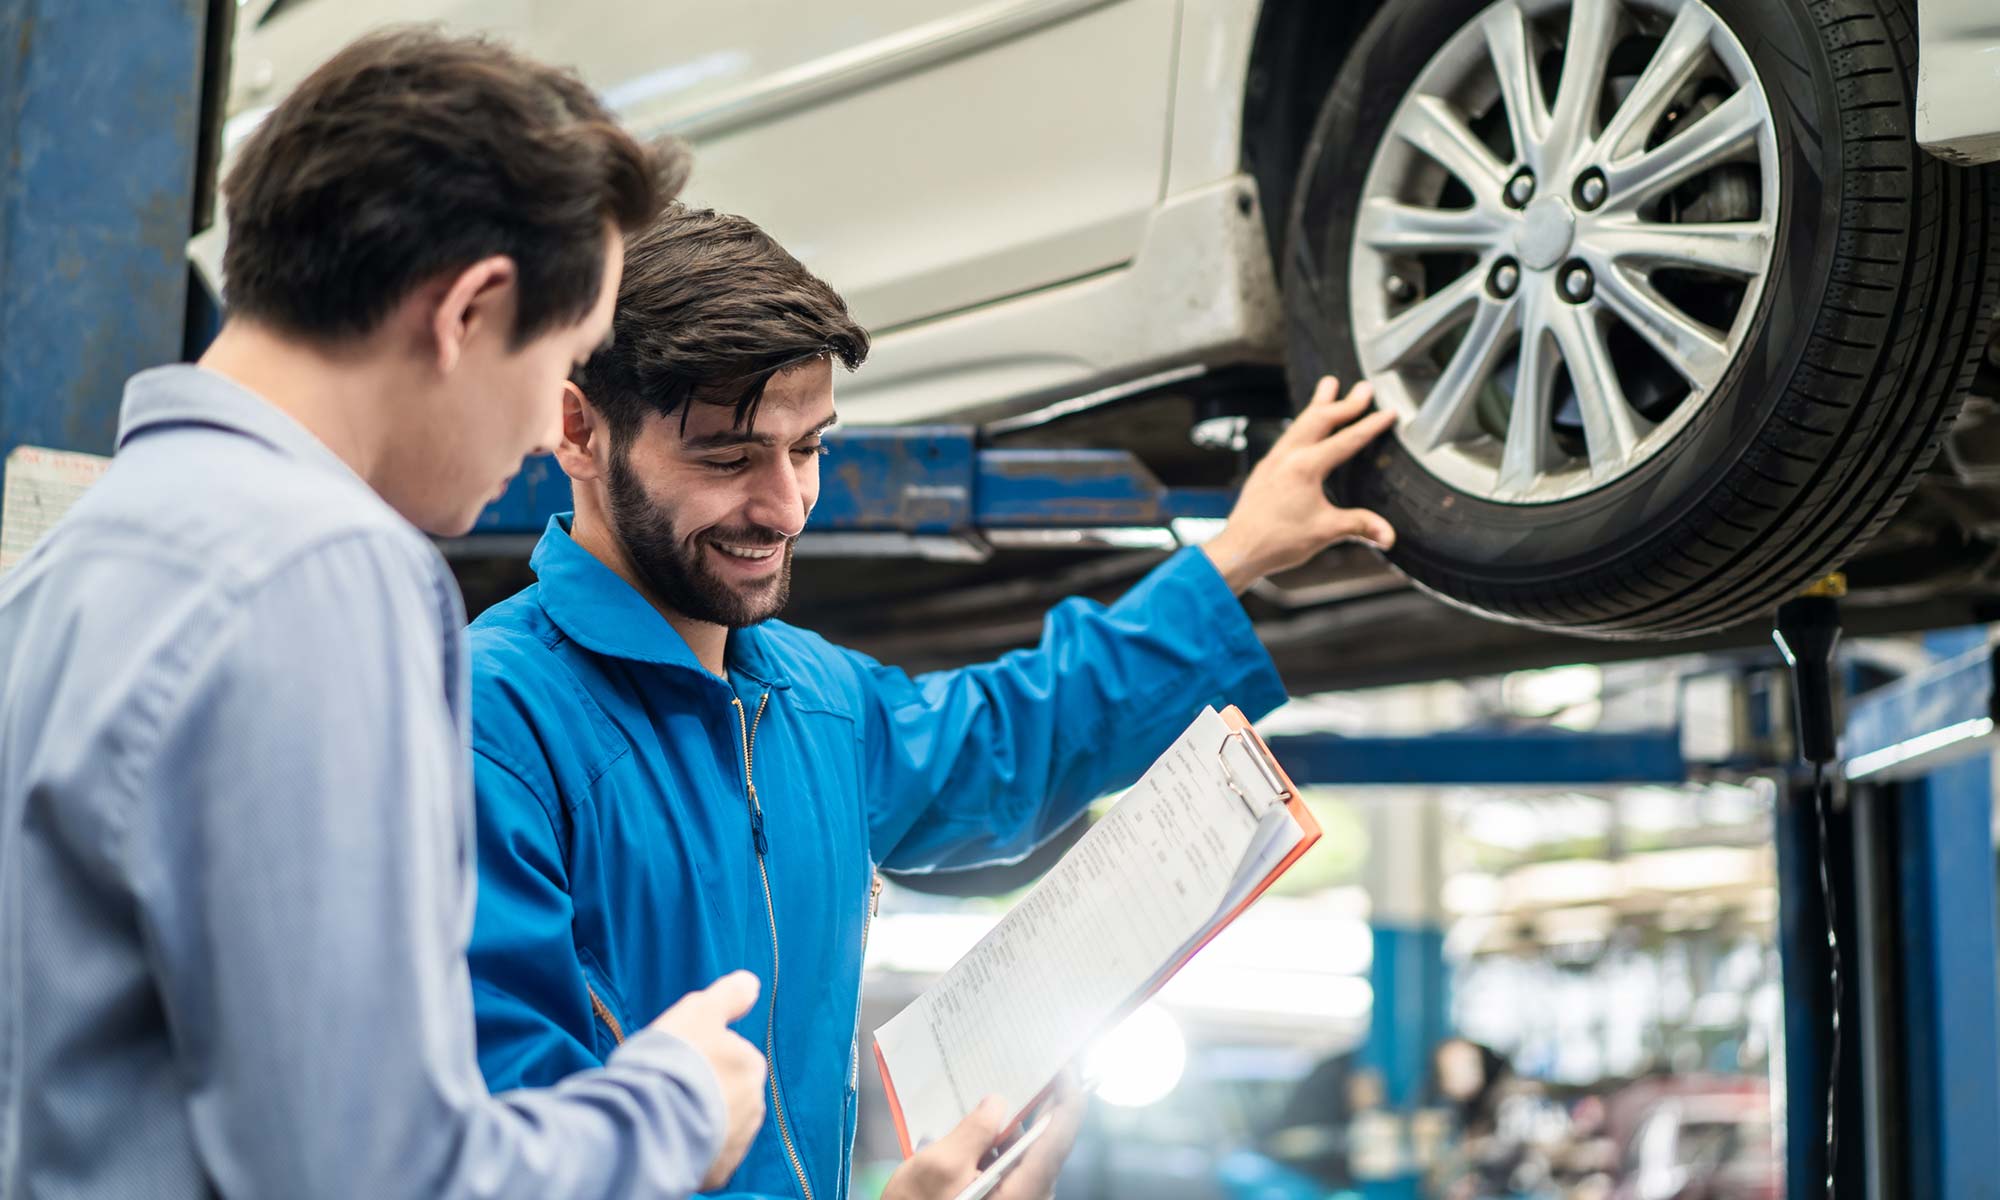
(671, 785)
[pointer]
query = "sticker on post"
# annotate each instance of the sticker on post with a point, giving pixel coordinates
(40, 487)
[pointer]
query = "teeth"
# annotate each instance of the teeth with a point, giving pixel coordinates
(739, 552)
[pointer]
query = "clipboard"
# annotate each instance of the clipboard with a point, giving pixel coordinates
(1251, 769)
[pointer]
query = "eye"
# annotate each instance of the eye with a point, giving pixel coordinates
(816, 450)
(727, 467)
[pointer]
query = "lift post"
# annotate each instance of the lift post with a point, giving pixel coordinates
(1921, 865)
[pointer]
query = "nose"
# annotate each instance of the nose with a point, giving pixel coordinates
(780, 503)
(549, 436)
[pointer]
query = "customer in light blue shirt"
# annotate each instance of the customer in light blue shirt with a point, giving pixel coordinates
(236, 877)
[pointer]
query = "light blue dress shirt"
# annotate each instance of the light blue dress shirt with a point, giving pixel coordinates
(236, 877)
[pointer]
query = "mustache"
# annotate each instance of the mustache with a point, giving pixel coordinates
(755, 536)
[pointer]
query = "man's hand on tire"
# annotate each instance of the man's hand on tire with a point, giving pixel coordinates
(1282, 517)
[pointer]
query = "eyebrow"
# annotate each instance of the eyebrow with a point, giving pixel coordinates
(729, 438)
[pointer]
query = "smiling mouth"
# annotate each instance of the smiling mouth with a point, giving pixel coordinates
(747, 553)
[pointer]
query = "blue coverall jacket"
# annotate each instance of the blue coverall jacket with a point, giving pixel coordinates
(646, 826)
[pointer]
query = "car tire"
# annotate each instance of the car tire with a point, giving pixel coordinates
(1877, 299)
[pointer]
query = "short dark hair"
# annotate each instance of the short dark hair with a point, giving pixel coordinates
(710, 309)
(410, 155)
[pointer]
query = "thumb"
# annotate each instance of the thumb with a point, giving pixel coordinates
(731, 996)
(975, 1135)
(1361, 523)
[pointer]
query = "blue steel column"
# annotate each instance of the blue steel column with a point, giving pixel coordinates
(99, 120)
(1411, 1013)
(1951, 975)
(1928, 743)
(1951, 969)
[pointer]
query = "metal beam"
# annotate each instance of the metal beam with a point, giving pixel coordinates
(1921, 873)
(1929, 720)
(893, 490)
(101, 119)
(1951, 975)
(1500, 757)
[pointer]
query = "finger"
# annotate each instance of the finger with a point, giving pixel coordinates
(1066, 1121)
(750, 1056)
(1324, 393)
(975, 1135)
(1347, 443)
(1033, 1176)
(731, 997)
(1315, 423)
(1360, 523)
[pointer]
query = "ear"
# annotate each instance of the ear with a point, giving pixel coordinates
(585, 448)
(478, 301)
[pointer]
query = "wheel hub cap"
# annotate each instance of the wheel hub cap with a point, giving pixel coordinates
(1545, 234)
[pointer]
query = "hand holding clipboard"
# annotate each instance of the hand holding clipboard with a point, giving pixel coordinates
(977, 1161)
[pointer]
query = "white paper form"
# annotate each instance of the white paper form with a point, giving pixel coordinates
(1134, 893)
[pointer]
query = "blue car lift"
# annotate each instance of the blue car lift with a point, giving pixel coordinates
(108, 140)
(934, 491)
(1911, 867)
(1408, 974)
(1914, 857)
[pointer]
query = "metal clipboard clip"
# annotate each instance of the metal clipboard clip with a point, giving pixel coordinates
(1275, 786)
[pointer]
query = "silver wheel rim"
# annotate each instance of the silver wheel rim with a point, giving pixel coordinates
(1556, 362)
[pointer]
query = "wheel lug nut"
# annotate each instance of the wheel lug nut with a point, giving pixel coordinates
(1399, 288)
(1577, 283)
(1521, 188)
(1505, 278)
(1591, 189)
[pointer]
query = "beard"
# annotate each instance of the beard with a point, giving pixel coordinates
(676, 567)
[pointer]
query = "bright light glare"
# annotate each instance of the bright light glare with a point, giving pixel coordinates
(1139, 1062)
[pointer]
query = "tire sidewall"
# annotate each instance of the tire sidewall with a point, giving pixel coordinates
(1443, 531)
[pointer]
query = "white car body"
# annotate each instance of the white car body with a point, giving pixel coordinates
(1028, 202)
(1958, 74)
(1023, 200)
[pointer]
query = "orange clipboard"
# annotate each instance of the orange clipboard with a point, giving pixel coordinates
(1295, 807)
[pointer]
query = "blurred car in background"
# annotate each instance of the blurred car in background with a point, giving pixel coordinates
(1675, 311)
(1697, 1138)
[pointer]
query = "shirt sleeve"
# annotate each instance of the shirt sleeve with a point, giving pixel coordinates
(981, 764)
(530, 996)
(302, 859)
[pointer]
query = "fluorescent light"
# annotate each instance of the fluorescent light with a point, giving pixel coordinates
(1923, 744)
(1140, 1062)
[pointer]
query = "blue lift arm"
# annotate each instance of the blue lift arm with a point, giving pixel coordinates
(922, 488)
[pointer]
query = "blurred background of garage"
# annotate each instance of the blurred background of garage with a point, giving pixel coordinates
(1472, 991)
(1565, 937)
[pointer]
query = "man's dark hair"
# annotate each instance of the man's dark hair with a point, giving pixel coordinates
(711, 307)
(411, 155)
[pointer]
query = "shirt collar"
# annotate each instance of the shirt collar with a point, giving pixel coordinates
(186, 394)
(594, 606)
